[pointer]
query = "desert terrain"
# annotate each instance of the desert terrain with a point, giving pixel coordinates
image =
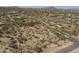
(29, 30)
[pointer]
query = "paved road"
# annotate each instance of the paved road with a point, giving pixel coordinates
(69, 37)
(71, 47)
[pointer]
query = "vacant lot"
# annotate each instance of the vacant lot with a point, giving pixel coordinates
(34, 30)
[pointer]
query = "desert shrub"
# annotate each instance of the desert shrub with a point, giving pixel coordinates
(38, 49)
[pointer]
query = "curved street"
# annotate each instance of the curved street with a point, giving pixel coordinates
(71, 47)
(69, 37)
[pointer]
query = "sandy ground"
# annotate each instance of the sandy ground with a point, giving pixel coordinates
(53, 50)
(75, 51)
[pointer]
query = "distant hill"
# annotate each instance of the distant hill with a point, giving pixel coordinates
(39, 7)
(45, 7)
(52, 7)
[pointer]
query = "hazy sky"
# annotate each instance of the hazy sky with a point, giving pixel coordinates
(68, 7)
